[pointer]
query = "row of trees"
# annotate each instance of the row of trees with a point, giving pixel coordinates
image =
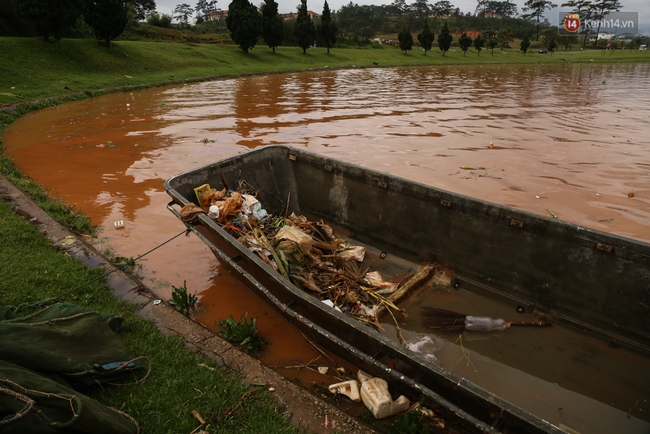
(53, 19)
(246, 24)
(360, 23)
(490, 37)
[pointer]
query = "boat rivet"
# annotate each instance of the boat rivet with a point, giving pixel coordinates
(383, 255)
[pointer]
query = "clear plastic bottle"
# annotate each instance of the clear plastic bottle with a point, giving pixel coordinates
(485, 324)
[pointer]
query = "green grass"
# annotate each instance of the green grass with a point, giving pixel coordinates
(39, 70)
(180, 380)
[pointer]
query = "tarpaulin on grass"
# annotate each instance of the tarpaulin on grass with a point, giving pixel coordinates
(46, 358)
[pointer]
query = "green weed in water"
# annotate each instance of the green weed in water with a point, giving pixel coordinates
(183, 302)
(242, 334)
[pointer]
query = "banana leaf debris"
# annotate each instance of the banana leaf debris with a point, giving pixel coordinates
(307, 253)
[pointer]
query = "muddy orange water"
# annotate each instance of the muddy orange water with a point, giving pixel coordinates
(571, 141)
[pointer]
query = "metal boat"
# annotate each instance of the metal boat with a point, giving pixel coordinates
(577, 276)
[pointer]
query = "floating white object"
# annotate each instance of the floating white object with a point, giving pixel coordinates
(119, 224)
(348, 388)
(425, 346)
(375, 396)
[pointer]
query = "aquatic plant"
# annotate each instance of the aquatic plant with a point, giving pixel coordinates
(183, 302)
(243, 333)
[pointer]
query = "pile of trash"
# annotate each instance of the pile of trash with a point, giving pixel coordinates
(307, 253)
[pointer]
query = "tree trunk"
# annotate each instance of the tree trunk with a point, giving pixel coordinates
(597, 32)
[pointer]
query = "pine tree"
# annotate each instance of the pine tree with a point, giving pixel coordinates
(272, 24)
(478, 44)
(50, 18)
(304, 29)
(405, 40)
(327, 28)
(535, 9)
(444, 39)
(107, 18)
(464, 42)
(525, 43)
(244, 23)
(426, 37)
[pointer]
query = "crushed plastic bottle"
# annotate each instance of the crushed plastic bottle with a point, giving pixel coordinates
(374, 394)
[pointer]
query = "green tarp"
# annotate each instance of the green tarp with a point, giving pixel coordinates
(46, 359)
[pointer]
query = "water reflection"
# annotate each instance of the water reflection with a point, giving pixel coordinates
(570, 138)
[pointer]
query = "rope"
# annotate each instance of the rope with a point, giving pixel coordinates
(103, 276)
(29, 404)
(129, 417)
(137, 380)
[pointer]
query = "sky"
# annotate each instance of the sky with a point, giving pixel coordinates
(286, 6)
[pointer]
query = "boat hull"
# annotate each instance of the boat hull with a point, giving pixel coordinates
(578, 275)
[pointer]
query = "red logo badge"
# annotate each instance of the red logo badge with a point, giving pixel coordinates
(572, 22)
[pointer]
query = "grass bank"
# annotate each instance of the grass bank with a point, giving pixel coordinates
(31, 69)
(180, 381)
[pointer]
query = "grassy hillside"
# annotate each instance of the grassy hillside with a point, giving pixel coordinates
(31, 69)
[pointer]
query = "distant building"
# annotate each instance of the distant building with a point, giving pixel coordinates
(490, 14)
(603, 35)
(217, 15)
(221, 15)
(294, 15)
